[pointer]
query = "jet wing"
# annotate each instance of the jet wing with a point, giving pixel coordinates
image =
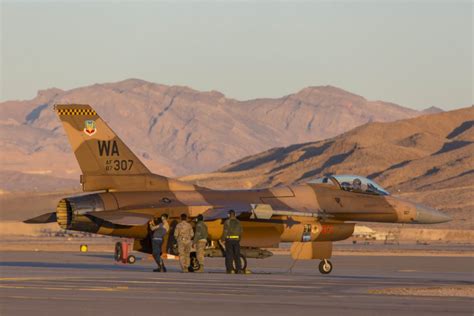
(137, 217)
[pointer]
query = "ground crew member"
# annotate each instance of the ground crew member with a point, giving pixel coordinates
(231, 236)
(159, 227)
(200, 241)
(183, 234)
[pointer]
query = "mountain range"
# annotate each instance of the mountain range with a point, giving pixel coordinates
(426, 156)
(176, 130)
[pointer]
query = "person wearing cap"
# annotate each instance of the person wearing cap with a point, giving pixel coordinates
(159, 227)
(200, 241)
(183, 234)
(231, 235)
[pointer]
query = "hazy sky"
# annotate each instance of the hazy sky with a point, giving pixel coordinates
(416, 54)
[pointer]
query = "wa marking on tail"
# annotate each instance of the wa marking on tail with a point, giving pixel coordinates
(108, 148)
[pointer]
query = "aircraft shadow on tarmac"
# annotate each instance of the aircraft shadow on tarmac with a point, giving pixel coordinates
(104, 256)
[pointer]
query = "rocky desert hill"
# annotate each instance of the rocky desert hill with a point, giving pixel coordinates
(429, 159)
(177, 130)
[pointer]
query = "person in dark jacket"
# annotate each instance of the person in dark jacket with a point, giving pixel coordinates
(200, 241)
(159, 227)
(231, 235)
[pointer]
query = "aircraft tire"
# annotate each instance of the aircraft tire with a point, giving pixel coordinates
(195, 265)
(243, 262)
(131, 259)
(325, 266)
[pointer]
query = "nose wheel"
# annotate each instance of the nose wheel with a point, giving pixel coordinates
(325, 266)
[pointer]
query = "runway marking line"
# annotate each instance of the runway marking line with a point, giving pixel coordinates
(251, 283)
(215, 283)
(69, 298)
(13, 287)
(30, 287)
(105, 289)
(38, 278)
(165, 281)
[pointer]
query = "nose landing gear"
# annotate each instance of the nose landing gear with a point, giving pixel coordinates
(325, 266)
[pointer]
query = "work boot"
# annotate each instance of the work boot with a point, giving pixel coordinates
(162, 267)
(157, 270)
(200, 270)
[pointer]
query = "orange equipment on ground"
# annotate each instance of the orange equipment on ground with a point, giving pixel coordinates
(121, 253)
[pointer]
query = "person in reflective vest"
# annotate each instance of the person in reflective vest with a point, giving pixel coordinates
(231, 235)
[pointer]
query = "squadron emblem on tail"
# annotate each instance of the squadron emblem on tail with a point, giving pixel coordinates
(90, 128)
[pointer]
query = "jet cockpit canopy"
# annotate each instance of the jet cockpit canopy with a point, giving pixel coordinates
(353, 183)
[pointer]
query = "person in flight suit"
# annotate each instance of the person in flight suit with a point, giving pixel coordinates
(357, 185)
(231, 235)
(183, 234)
(159, 227)
(200, 241)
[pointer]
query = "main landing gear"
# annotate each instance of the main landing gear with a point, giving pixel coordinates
(195, 264)
(325, 266)
(243, 263)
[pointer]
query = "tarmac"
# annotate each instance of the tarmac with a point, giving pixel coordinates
(57, 283)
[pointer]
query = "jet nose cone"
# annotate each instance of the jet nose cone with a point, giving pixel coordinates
(428, 215)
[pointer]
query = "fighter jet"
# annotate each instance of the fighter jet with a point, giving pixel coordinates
(124, 196)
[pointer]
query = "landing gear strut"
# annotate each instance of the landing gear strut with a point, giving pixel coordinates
(325, 266)
(195, 264)
(243, 263)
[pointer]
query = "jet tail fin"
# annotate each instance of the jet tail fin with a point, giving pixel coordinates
(106, 162)
(99, 151)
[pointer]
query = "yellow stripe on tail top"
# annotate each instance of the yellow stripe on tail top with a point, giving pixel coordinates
(75, 111)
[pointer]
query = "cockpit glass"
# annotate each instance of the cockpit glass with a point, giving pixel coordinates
(354, 183)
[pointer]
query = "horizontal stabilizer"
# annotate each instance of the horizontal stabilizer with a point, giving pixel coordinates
(42, 219)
